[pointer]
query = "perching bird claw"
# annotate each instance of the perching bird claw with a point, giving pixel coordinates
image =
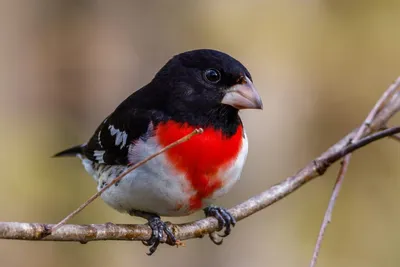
(225, 220)
(158, 228)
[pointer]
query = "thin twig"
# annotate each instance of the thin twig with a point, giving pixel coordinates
(345, 164)
(395, 137)
(118, 178)
(97, 232)
(389, 132)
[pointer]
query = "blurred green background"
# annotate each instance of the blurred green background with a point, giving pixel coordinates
(319, 65)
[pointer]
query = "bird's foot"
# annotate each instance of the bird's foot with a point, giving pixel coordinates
(158, 228)
(225, 220)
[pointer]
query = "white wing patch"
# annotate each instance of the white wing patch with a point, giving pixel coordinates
(98, 155)
(99, 139)
(120, 136)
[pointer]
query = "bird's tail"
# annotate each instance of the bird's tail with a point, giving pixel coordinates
(70, 152)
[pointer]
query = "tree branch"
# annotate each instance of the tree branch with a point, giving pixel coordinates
(317, 167)
(345, 165)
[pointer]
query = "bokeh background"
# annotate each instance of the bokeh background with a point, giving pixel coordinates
(319, 65)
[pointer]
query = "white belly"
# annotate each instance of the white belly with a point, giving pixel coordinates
(156, 187)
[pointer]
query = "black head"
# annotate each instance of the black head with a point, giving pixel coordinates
(205, 80)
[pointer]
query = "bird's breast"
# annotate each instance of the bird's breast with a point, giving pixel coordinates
(211, 162)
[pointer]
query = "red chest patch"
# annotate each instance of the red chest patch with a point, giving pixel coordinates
(201, 157)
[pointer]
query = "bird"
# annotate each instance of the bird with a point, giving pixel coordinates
(201, 88)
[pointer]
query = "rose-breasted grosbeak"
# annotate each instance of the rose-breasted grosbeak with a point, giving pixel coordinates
(201, 88)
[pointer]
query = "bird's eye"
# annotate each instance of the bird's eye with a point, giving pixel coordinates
(212, 75)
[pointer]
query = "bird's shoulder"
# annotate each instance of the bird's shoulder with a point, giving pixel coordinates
(130, 122)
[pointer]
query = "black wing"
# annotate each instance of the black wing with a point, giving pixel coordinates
(111, 141)
(134, 118)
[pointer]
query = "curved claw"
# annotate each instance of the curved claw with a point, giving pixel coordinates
(225, 220)
(223, 235)
(216, 238)
(158, 228)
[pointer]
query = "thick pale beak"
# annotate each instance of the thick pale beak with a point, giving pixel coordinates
(243, 95)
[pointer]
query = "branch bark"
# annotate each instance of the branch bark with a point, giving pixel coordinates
(315, 168)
